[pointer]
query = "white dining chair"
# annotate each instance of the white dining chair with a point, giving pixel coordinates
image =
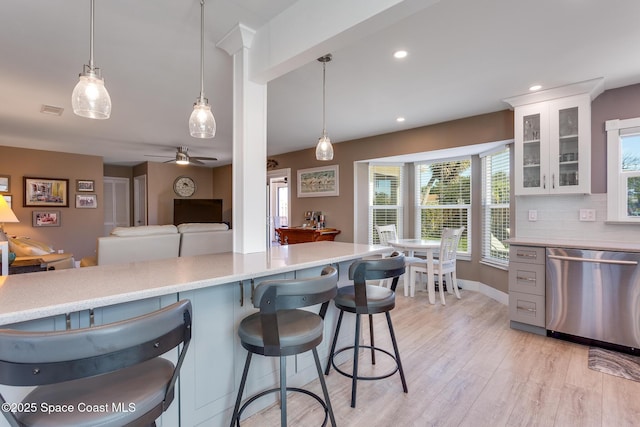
(389, 232)
(444, 267)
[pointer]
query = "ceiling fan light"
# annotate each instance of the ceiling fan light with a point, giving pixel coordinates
(324, 149)
(182, 159)
(201, 123)
(90, 97)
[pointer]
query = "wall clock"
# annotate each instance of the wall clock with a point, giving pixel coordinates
(184, 186)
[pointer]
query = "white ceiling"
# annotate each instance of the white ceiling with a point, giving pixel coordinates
(465, 56)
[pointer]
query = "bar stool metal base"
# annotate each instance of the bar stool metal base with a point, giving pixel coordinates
(277, 389)
(360, 377)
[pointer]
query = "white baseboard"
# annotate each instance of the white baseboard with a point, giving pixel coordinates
(472, 285)
(493, 293)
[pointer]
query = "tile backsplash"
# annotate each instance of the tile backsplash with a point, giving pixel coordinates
(558, 217)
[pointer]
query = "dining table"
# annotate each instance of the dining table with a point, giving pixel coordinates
(410, 247)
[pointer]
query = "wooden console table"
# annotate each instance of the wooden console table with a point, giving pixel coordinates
(292, 235)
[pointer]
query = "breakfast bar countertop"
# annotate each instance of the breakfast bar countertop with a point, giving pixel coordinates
(578, 244)
(37, 295)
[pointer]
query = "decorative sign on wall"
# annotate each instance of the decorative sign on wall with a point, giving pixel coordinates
(318, 182)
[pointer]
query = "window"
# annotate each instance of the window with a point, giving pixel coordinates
(443, 199)
(385, 198)
(495, 207)
(623, 170)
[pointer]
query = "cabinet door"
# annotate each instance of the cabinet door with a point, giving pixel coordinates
(532, 148)
(570, 147)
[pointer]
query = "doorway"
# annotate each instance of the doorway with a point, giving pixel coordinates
(278, 202)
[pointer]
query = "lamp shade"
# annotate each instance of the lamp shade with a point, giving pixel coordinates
(6, 214)
(201, 123)
(324, 149)
(90, 98)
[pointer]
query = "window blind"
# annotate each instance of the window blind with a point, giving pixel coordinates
(495, 207)
(385, 198)
(443, 199)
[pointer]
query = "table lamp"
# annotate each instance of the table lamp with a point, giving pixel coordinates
(6, 215)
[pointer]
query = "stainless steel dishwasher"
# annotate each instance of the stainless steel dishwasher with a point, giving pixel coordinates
(594, 297)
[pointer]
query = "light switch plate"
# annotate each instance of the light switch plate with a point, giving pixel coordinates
(533, 215)
(587, 214)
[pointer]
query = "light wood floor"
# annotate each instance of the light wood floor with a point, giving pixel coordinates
(466, 367)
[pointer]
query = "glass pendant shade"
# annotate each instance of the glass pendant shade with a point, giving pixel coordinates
(90, 98)
(201, 123)
(324, 149)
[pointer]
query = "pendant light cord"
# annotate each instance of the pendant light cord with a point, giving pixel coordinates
(91, 36)
(201, 50)
(324, 103)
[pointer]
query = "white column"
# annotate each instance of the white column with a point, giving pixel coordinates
(4, 247)
(249, 177)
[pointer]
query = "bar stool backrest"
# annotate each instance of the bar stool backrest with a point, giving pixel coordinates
(40, 358)
(272, 296)
(362, 270)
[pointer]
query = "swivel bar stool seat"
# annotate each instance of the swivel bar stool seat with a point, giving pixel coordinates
(280, 329)
(361, 298)
(115, 364)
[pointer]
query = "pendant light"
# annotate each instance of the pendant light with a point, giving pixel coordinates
(201, 123)
(90, 98)
(324, 149)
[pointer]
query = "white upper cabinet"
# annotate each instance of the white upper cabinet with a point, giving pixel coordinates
(553, 140)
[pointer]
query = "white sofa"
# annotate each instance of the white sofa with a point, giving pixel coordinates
(152, 242)
(204, 238)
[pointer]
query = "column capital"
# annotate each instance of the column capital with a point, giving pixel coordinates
(236, 39)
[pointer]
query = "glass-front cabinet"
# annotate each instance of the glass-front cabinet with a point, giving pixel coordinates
(552, 146)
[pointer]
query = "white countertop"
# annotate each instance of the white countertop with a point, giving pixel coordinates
(36, 295)
(577, 244)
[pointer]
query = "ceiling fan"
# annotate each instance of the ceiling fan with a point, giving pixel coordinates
(183, 157)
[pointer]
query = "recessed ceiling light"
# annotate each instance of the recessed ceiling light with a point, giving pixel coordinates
(399, 54)
(400, 119)
(535, 87)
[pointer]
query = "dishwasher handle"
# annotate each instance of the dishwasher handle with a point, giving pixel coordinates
(600, 261)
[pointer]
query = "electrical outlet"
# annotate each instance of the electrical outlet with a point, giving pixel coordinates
(533, 215)
(587, 215)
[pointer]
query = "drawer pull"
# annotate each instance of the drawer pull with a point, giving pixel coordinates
(526, 255)
(528, 279)
(530, 310)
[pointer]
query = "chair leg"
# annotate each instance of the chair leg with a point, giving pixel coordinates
(283, 391)
(373, 344)
(234, 419)
(441, 288)
(327, 401)
(397, 352)
(454, 283)
(356, 350)
(333, 344)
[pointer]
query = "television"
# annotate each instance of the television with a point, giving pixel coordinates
(197, 210)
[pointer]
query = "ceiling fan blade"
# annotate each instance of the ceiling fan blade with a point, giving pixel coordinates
(195, 161)
(203, 158)
(170, 161)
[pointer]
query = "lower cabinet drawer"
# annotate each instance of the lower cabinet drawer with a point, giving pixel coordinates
(527, 308)
(527, 278)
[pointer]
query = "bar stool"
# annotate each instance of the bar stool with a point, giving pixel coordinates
(93, 370)
(279, 329)
(361, 298)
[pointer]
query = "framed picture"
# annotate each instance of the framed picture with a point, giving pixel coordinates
(89, 201)
(5, 181)
(86, 185)
(46, 219)
(46, 192)
(318, 182)
(8, 199)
